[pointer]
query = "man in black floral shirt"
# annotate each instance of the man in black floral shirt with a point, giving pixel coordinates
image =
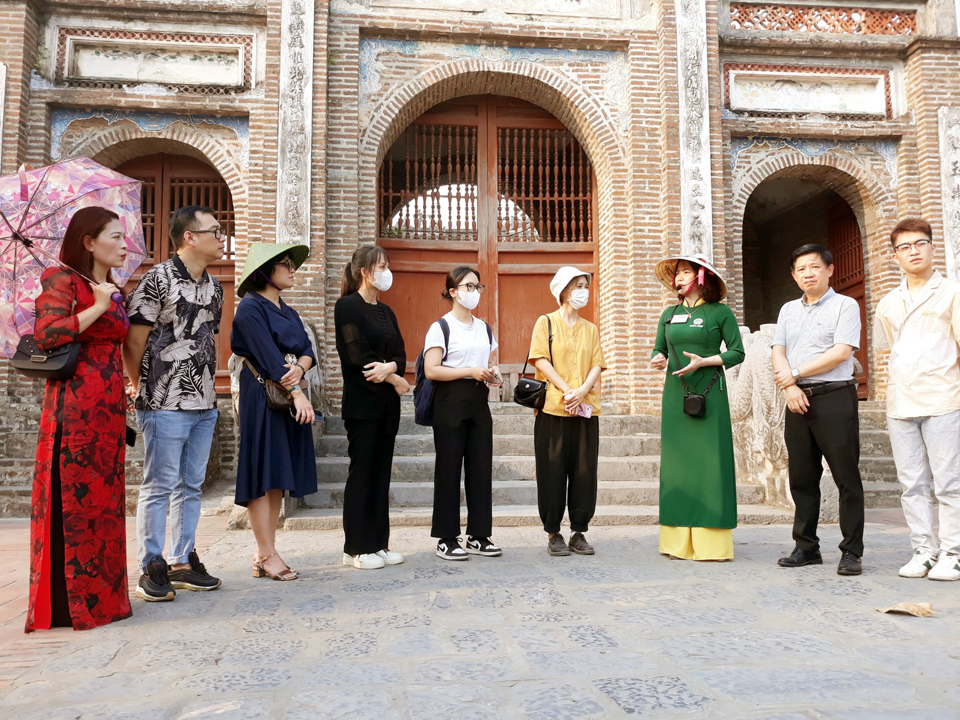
(170, 356)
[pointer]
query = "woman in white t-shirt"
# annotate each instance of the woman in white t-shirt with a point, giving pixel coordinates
(462, 426)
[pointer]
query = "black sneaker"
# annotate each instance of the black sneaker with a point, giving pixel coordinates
(154, 585)
(449, 549)
(482, 546)
(557, 547)
(195, 577)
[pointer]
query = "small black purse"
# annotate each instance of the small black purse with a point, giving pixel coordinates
(694, 404)
(31, 360)
(529, 392)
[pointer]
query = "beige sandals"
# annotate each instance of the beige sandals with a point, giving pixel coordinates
(260, 571)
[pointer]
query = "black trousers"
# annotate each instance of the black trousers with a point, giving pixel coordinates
(463, 439)
(829, 429)
(567, 450)
(366, 498)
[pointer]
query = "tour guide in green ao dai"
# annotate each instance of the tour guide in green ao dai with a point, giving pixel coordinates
(698, 494)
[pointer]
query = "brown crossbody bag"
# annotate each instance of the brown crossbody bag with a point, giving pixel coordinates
(277, 396)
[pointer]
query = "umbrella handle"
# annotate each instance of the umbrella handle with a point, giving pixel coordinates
(22, 171)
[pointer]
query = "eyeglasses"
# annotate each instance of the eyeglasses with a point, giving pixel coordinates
(907, 247)
(471, 287)
(287, 263)
(217, 232)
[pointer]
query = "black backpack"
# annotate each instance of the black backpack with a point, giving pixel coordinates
(423, 388)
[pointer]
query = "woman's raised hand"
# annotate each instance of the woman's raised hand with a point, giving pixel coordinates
(659, 362)
(103, 295)
(695, 362)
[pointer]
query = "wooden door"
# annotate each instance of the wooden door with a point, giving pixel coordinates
(843, 233)
(495, 183)
(171, 182)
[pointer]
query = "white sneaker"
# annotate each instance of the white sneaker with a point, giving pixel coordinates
(364, 562)
(947, 567)
(919, 564)
(389, 557)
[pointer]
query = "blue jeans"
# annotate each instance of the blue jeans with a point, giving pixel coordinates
(177, 447)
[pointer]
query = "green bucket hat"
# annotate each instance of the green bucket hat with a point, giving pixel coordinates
(260, 253)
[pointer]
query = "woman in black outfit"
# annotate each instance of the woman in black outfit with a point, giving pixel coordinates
(372, 359)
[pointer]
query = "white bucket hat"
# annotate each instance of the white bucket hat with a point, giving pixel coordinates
(667, 271)
(562, 279)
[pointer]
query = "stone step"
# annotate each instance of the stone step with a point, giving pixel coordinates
(874, 443)
(509, 445)
(881, 494)
(420, 469)
(522, 424)
(528, 515)
(507, 493)
(880, 468)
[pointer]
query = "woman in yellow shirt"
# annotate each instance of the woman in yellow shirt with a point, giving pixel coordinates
(566, 352)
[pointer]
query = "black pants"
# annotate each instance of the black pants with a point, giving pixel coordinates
(567, 451)
(463, 439)
(366, 498)
(829, 429)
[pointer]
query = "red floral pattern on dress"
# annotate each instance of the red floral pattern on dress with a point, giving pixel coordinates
(90, 410)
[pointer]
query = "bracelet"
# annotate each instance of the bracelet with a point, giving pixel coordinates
(301, 367)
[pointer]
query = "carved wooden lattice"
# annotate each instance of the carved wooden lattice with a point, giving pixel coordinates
(544, 182)
(428, 184)
(798, 18)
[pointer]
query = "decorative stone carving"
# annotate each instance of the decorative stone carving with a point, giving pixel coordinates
(296, 121)
(696, 208)
(949, 118)
(74, 128)
(757, 411)
(174, 63)
(184, 62)
(877, 158)
(597, 9)
(797, 92)
(614, 66)
(804, 18)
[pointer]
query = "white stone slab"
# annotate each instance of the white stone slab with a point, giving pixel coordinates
(164, 63)
(828, 93)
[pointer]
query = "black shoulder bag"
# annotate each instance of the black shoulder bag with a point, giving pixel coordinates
(694, 404)
(530, 392)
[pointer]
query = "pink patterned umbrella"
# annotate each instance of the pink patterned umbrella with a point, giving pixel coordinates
(35, 208)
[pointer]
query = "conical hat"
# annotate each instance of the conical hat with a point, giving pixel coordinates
(260, 253)
(667, 271)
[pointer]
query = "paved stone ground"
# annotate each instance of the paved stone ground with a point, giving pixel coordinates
(626, 632)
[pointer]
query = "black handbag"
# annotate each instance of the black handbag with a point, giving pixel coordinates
(694, 404)
(31, 360)
(529, 392)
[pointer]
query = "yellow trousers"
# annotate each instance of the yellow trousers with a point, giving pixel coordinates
(696, 543)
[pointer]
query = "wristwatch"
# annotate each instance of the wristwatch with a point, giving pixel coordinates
(795, 372)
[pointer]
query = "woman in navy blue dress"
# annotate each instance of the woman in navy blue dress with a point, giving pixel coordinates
(276, 446)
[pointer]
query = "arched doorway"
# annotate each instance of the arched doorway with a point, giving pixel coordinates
(171, 182)
(496, 183)
(781, 215)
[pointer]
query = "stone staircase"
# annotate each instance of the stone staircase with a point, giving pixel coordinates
(628, 491)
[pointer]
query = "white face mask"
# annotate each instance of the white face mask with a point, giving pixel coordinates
(469, 299)
(579, 298)
(382, 280)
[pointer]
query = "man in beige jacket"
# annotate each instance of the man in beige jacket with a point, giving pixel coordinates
(919, 323)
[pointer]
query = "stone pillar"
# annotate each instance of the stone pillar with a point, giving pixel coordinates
(295, 121)
(696, 220)
(949, 118)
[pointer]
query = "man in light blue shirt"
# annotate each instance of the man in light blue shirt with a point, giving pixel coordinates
(812, 357)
